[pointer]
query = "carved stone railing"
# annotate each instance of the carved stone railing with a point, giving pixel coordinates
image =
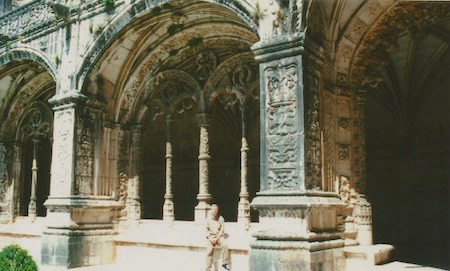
(25, 19)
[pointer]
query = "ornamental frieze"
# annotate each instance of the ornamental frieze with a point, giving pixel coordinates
(22, 19)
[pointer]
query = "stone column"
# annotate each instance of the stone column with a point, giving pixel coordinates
(17, 164)
(79, 228)
(168, 209)
(298, 227)
(4, 197)
(136, 149)
(203, 197)
(34, 177)
(244, 204)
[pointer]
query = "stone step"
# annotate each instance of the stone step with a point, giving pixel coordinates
(181, 246)
(358, 256)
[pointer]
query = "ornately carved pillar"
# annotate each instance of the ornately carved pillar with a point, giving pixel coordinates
(298, 227)
(168, 209)
(4, 197)
(363, 209)
(79, 227)
(136, 148)
(203, 197)
(34, 178)
(244, 204)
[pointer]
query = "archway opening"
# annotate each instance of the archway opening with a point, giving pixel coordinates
(43, 158)
(407, 181)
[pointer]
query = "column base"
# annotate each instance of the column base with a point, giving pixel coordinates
(69, 249)
(80, 232)
(244, 213)
(133, 211)
(297, 255)
(32, 211)
(201, 212)
(298, 231)
(168, 211)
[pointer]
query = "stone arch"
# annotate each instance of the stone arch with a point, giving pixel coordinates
(33, 152)
(25, 52)
(25, 94)
(355, 31)
(135, 10)
(39, 106)
(232, 68)
(130, 90)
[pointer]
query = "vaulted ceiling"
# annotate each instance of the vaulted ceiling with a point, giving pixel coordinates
(397, 51)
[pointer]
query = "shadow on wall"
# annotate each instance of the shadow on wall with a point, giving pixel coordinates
(408, 186)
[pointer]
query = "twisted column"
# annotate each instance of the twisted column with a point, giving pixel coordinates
(244, 204)
(203, 197)
(34, 172)
(168, 209)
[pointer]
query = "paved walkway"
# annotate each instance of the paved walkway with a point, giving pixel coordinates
(393, 266)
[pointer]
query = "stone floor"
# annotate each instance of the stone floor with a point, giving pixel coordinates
(155, 246)
(393, 266)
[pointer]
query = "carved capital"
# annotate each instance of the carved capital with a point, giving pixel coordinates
(203, 119)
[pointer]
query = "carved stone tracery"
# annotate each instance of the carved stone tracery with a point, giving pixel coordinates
(281, 85)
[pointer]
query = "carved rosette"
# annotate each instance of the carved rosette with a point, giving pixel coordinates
(281, 122)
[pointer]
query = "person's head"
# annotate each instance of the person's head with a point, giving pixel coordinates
(214, 210)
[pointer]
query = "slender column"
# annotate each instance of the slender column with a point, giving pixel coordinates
(203, 197)
(34, 172)
(168, 210)
(244, 204)
(16, 173)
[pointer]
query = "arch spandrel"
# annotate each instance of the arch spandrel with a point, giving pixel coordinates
(137, 10)
(161, 54)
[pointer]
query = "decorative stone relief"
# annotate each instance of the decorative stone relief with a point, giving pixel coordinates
(62, 159)
(228, 98)
(3, 173)
(359, 140)
(278, 18)
(150, 65)
(135, 149)
(344, 189)
(20, 20)
(38, 125)
(206, 63)
(344, 123)
(313, 144)
(133, 188)
(84, 167)
(344, 152)
(404, 18)
(122, 188)
(281, 119)
(242, 76)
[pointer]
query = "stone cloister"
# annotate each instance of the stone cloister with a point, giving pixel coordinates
(312, 124)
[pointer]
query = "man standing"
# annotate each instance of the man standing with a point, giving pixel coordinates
(214, 234)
